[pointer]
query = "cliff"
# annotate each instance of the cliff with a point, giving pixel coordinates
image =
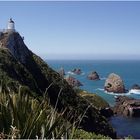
(21, 67)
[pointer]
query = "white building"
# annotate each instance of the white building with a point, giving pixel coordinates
(11, 26)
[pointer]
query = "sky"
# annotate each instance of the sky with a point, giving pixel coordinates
(77, 29)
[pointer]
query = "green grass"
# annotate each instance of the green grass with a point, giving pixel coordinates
(35, 76)
(24, 117)
(94, 99)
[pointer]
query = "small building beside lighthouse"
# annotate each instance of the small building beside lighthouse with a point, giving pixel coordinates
(11, 26)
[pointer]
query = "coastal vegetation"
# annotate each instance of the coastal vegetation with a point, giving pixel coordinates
(27, 81)
(23, 116)
(93, 99)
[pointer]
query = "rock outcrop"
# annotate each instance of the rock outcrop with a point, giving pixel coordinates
(93, 76)
(73, 81)
(77, 71)
(136, 87)
(128, 107)
(114, 83)
(14, 42)
(21, 67)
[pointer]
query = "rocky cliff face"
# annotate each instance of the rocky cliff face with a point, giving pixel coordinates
(14, 42)
(19, 66)
(127, 106)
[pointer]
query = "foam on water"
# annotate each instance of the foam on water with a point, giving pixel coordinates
(132, 91)
(103, 78)
(101, 89)
(118, 94)
(72, 73)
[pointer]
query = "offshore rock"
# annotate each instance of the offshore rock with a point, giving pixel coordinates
(126, 106)
(93, 76)
(115, 84)
(135, 89)
(73, 81)
(136, 86)
(77, 71)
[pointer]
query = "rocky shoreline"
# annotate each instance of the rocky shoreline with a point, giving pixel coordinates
(126, 106)
(114, 84)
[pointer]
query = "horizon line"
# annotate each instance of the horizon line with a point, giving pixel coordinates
(92, 59)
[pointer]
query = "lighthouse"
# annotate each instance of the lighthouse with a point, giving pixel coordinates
(11, 26)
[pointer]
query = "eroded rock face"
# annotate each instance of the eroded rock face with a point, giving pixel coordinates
(126, 106)
(14, 42)
(115, 84)
(93, 76)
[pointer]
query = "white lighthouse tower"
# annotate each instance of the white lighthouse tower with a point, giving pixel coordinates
(11, 26)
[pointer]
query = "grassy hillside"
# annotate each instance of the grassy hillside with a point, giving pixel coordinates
(32, 73)
(93, 99)
(13, 73)
(24, 117)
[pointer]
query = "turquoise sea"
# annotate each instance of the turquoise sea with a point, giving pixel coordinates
(129, 70)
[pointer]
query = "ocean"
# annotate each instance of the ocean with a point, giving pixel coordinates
(129, 70)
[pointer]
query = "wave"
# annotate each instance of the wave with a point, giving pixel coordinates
(72, 73)
(103, 78)
(132, 91)
(101, 89)
(118, 94)
(112, 93)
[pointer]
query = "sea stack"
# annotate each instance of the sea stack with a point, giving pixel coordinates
(114, 84)
(77, 71)
(93, 76)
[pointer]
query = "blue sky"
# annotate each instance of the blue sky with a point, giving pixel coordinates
(77, 30)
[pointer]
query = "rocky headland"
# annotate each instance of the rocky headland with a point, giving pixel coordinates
(21, 67)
